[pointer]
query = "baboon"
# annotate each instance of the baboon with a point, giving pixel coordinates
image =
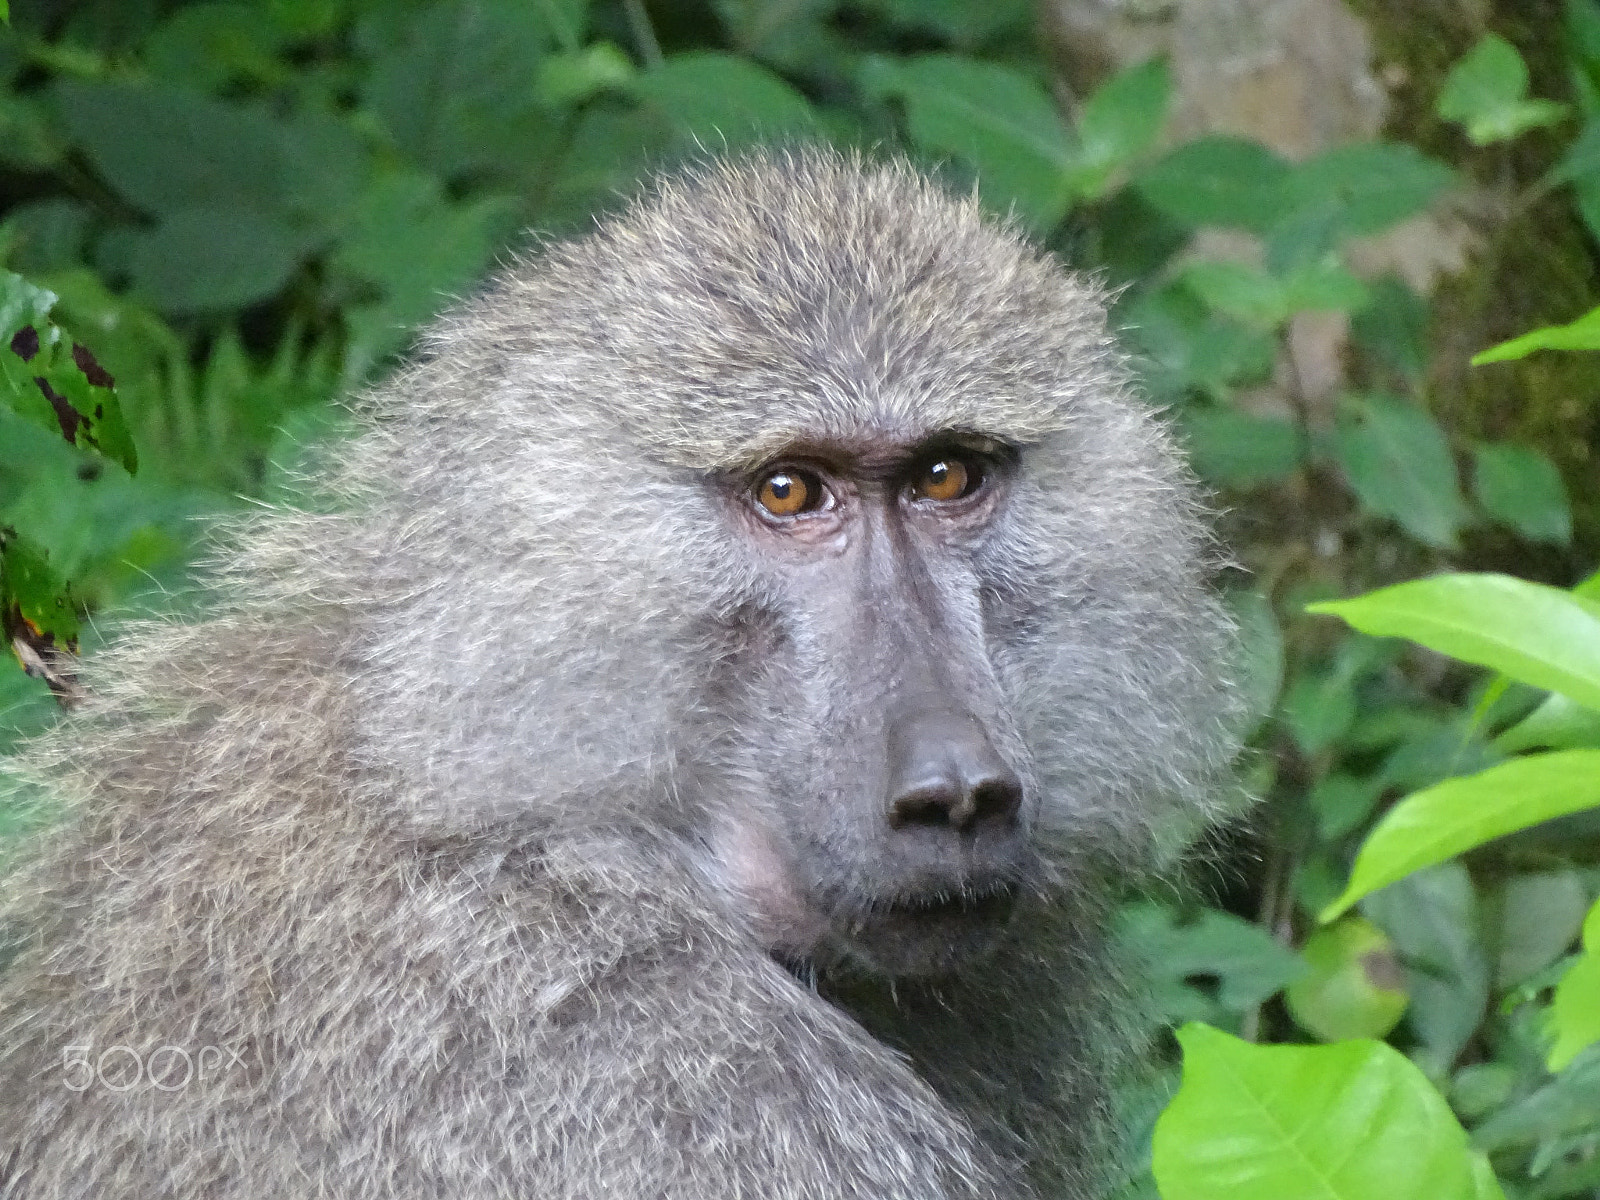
(688, 752)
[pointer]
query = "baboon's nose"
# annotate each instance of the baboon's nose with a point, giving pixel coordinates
(944, 773)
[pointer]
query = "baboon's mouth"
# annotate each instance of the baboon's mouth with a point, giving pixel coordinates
(993, 903)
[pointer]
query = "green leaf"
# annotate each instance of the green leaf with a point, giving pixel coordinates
(1362, 188)
(1520, 487)
(1537, 634)
(1218, 180)
(1186, 346)
(1247, 962)
(1557, 724)
(22, 303)
(1568, 1104)
(717, 99)
(1261, 653)
(1575, 1010)
(1120, 122)
(1433, 917)
(1581, 162)
(959, 21)
(207, 46)
(1539, 915)
(1354, 987)
(1323, 285)
(1398, 463)
(1486, 92)
(1342, 804)
(1237, 449)
(53, 381)
(32, 589)
(1458, 815)
(995, 118)
(570, 78)
(1353, 1121)
(204, 258)
(169, 150)
(1394, 327)
(419, 249)
(459, 91)
(1241, 291)
(1580, 334)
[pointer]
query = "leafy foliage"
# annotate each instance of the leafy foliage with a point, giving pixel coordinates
(242, 209)
(1264, 1122)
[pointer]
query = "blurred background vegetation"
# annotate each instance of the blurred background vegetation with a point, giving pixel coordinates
(1315, 213)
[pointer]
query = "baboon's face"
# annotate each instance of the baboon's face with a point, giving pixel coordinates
(895, 804)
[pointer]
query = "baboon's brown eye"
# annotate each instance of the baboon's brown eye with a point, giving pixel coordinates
(787, 492)
(945, 479)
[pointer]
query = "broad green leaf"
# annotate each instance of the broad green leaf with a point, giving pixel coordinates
(1487, 93)
(1237, 449)
(1520, 487)
(995, 118)
(32, 590)
(1534, 633)
(1434, 918)
(407, 238)
(419, 249)
(1539, 915)
(721, 99)
(169, 150)
(1580, 334)
(1218, 180)
(1363, 188)
(1394, 327)
(1568, 1104)
(1575, 1010)
(1186, 346)
(1352, 1121)
(1260, 654)
(1320, 704)
(1581, 162)
(208, 46)
(959, 21)
(1241, 291)
(459, 91)
(573, 77)
(1582, 30)
(199, 259)
(1354, 987)
(1342, 803)
(47, 235)
(1458, 815)
(1397, 461)
(1119, 122)
(1323, 285)
(1247, 962)
(1557, 724)
(53, 381)
(22, 303)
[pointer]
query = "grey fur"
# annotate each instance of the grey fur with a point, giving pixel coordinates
(425, 819)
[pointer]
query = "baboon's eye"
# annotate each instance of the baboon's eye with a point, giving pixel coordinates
(946, 478)
(787, 492)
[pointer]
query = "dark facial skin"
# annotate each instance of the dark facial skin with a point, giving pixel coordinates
(900, 808)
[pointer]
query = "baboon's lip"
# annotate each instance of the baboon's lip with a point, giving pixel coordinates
(987, 903)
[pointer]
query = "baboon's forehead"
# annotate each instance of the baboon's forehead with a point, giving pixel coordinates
(793, 295)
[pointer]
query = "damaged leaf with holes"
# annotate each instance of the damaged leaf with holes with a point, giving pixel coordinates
(55, 382)
(37, 615)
